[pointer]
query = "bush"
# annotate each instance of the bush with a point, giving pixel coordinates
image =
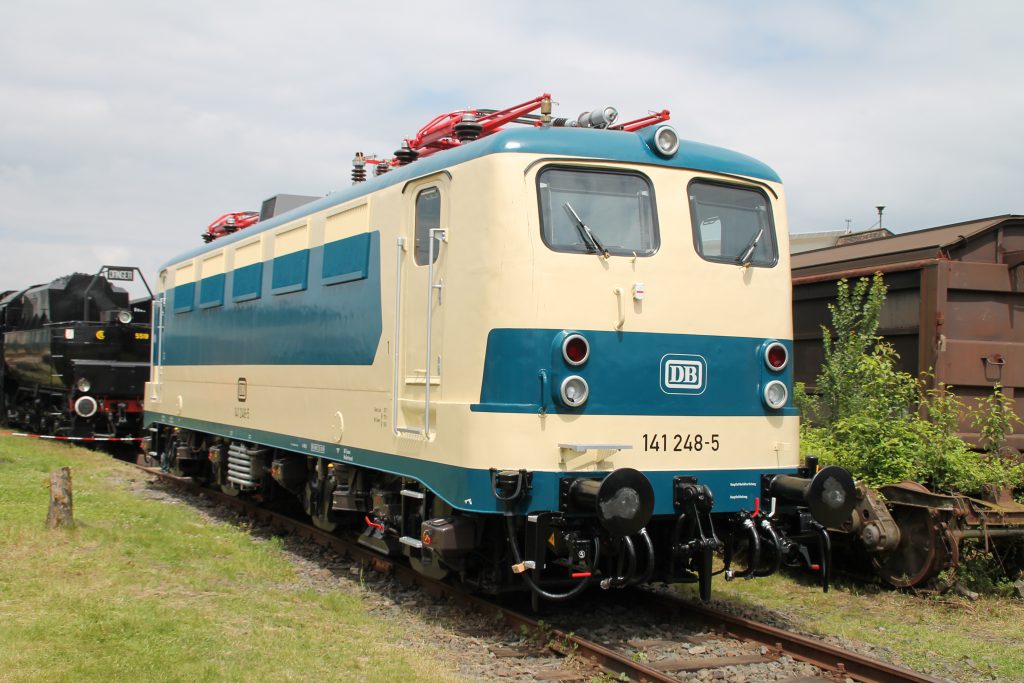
(885, 425)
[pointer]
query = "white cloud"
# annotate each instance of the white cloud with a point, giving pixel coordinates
(129, 126)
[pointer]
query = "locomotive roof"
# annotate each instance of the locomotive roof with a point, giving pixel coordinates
(607, 145)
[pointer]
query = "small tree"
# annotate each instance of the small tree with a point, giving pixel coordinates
(994, 419)
(855, 318)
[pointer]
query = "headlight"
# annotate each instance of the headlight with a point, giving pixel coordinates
(83, 385)
(574, 391)
(775, 394)
(666, 141)
(124, 317)
(86, 406)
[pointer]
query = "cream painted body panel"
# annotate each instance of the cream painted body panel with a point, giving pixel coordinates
(477, 440)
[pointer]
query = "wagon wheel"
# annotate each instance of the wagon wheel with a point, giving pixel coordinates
(922, 552)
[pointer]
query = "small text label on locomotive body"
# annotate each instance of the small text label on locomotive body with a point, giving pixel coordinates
(683, 374)
(126, 274)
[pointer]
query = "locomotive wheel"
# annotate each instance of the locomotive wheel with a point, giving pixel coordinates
(321, 522)
(144, 459)
(922, 552)
(431, 568)
(322, 518)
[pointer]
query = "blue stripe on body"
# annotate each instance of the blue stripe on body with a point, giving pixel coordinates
(346, 260)
(211, 291)
(247, 282)
(183, 297)
(624, 372)
(319, 325)
(290, 273)
(470, 489)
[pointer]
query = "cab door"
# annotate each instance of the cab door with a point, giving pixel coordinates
(423, 260)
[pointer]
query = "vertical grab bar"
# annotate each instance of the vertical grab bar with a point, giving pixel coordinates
(398, 339)
(439, 235)
(157, 346)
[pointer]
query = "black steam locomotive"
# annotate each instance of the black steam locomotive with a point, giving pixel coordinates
(75, 355)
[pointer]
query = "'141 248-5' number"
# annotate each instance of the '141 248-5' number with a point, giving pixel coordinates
(680, 442)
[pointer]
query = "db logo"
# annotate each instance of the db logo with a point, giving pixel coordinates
(683, 374)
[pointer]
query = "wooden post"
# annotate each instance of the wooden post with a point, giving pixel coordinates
(60, 514)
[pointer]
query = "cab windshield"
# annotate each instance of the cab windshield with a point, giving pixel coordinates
(732, 224)
(591, 211)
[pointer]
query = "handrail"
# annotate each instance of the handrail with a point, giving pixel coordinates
(440, 235)
(400, 243)
(157, 344)
(102, 270)
(621, 308)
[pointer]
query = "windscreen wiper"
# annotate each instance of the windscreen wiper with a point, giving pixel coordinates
(585, 232)
(748, 254)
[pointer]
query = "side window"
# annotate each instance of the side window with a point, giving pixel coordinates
(428, 217)
(732, 224)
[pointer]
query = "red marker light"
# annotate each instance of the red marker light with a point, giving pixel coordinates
(575, 349)
(776, 356)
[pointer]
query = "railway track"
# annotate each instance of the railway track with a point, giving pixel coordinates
(749, 648)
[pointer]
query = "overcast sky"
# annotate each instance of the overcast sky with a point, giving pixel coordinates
(127, 126)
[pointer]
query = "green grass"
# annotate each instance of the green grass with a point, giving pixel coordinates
(944, 635)
(143, 590)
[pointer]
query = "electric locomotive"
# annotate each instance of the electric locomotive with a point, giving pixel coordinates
(75, 356)
(542, 356)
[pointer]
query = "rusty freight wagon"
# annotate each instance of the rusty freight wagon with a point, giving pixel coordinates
(955, 304)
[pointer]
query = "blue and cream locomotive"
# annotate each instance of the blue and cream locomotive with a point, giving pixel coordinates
(550, 355)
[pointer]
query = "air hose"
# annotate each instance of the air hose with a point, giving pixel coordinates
(540, 592)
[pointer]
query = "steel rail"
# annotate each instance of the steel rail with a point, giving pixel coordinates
(822, 655)
(810, 650)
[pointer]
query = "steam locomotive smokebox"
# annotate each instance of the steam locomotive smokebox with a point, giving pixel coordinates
(283, 203)
(449, 535)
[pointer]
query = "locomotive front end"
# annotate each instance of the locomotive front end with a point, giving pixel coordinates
(76, 357)
(650, 384)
